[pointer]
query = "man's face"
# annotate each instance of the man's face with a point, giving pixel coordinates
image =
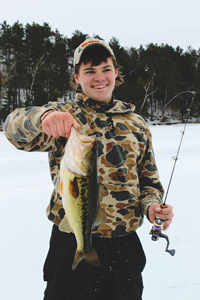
(97, 82)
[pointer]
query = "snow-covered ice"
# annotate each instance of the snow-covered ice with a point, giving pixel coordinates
(25, 231)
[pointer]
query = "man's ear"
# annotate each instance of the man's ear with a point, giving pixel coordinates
(76, 77)
(116, 73)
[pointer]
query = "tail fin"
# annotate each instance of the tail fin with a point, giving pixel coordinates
(77, 258)
(91, 258)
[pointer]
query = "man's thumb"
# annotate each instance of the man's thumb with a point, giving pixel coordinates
(158, 208)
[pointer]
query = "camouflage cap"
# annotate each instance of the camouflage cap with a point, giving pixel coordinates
(87, 43)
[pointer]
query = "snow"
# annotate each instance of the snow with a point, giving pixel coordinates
(25, 231)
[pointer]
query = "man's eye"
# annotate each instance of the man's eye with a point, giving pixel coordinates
(89, 72)
(107, 70)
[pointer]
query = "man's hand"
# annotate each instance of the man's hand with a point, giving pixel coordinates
(59, 124)
(163, 213)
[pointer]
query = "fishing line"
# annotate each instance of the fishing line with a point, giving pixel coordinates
(193, 93)
(175, 158)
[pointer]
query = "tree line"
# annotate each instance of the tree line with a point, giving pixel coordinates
(36, 63)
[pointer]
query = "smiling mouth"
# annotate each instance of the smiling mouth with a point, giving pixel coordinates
(100, 86)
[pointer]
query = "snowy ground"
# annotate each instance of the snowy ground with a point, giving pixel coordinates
(24, 194)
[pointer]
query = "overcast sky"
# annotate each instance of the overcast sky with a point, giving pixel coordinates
(133, 23)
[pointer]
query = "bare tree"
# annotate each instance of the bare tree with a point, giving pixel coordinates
(147, 94)
(34, 72)
(6, 75)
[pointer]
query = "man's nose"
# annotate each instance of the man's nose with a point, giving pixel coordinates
(99, 77)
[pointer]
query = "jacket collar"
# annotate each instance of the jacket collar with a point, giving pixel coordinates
(113, 107)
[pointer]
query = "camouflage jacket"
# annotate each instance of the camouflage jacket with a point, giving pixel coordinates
(126, 164)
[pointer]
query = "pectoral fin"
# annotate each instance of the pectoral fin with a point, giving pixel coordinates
(74, 188)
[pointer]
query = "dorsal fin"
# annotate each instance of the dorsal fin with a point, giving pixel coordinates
(101, 217)
(102, 192)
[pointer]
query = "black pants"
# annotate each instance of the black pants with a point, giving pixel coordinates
(118, 277)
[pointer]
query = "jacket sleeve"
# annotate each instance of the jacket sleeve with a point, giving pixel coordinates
(151, 190)
(24, 130)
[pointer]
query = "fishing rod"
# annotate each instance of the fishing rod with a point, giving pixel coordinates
(157, 227)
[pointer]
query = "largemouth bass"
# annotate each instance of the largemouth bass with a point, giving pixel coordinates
(81, 194)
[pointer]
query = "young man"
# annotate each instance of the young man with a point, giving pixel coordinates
(126, 167)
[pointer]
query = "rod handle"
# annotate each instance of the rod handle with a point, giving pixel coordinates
(163, 205)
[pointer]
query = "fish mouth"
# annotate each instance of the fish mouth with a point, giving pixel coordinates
(83, 139)
(90, 140)
(79, 152)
